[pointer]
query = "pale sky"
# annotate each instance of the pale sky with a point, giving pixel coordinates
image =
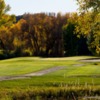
(19, 7)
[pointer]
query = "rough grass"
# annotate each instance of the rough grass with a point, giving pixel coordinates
(61, 93)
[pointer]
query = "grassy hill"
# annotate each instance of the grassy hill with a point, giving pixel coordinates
(76, 75)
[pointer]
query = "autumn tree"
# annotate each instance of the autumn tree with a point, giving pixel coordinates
(5, 22)
(89, 23)
(45, 32)
(5, 19)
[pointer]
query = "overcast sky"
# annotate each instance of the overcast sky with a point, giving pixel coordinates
(19, 7)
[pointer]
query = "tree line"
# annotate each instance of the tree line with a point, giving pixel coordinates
(49, 34)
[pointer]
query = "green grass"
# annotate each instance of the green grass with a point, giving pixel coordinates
(75, 74)
(18, 66)
(55, 81)
(82, 70)
(75, 71)
(73, 66)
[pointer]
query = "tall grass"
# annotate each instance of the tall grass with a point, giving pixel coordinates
(51, 93)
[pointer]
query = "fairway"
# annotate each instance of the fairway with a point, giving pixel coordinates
(74, 67)
(72, 72)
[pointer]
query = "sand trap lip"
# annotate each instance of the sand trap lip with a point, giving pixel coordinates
(39, 73)
(91, 60)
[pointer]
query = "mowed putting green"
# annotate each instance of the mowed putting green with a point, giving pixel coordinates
(74, 72)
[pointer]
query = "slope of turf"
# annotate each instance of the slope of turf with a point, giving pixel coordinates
(75, 71)
(77, 79)
(18, 66)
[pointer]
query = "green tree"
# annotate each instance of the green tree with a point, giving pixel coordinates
(87, 5)
(89, 24)
(73, 44)
(5, 19)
